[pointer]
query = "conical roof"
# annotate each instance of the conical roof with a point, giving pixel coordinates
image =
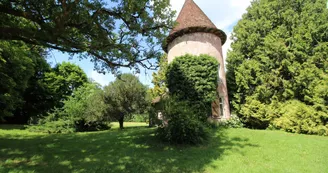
(192, 19)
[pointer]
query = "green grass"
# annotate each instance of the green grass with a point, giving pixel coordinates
(135, 149)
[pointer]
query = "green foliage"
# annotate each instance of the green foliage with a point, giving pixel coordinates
(83, 111)
(159, 79)
(139, 118)
(85, 104)
(295, 116)
(37, 97)
(192, 82)
(16, 67)
(183, 125)
(233, 122)
(194, 79)
(124, 97)
(64, 79)
(255, 114)
(115, 33)
(279, 54)
(52, 126)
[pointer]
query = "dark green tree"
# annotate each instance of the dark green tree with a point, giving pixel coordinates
(63, 80)
(122, 33)
(280, 54)
(17, 66)
(37, 97)
(125, 96)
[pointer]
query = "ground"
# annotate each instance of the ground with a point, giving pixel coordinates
(135, 149)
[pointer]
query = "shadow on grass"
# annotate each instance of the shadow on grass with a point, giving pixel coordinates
(11, 127)
(130, 150)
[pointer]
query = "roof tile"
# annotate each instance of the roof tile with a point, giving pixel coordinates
(192, 16)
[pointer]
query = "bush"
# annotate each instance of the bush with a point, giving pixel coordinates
(51, 124)
(183, 125)
(233, 122)
(255, 114)
(83, 111)
(297, 117)
(292, 116)
(66, 126)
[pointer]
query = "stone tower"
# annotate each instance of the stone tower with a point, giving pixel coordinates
(196, 34)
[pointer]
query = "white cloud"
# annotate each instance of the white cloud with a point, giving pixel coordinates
(101, 78)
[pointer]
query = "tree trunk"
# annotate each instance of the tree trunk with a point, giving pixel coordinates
(121, 120)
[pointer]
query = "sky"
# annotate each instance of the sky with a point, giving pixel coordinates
(223, 13)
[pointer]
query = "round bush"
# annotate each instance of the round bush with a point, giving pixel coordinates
(183, 125)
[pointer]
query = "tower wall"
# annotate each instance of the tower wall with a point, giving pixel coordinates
(204, 43)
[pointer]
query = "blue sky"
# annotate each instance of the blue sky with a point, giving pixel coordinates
(223, 13)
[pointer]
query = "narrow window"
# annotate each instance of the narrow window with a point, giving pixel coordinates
(221, 106)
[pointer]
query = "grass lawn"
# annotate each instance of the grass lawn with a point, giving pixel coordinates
(135, 149)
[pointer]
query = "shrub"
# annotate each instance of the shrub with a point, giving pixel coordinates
(233, 122)
(297, 117)
(51, 124)
(292, 116)
(183, 125)
(83, 111)
(255, 114)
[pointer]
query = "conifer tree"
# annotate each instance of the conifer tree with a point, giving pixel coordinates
(279, 57)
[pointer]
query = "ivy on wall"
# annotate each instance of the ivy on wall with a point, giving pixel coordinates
(194, 79)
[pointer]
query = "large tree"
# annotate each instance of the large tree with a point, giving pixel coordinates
(122, 33)
(279, 55)
(63, 80)
(37, 99)
(125, 96)
(16, 68)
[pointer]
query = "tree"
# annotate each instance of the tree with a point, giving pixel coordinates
(86, 108)
(37, 98)
(16, 67)
(279, 54)
(124, 96)
(123, 33)
(160, 87)
(63, 80)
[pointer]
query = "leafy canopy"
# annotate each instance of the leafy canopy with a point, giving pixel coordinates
(17, 61)
(64, 79)
(122, 33)
(124, 96)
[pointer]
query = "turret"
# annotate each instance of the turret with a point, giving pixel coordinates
(196, 34)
